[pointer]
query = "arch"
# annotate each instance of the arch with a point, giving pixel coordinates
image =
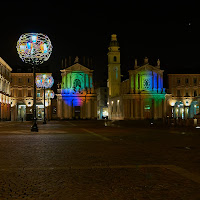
(115, 58)
(77, 83)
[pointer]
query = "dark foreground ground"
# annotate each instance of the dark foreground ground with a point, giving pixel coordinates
(94, 160)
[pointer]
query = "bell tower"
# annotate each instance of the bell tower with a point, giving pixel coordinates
(114, 72)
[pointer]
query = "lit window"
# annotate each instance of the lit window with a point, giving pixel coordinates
(38, 93)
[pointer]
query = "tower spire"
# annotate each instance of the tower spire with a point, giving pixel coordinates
(114, 72)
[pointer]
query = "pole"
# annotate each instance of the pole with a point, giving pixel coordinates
(44, 122)
(48, 108)
(34, 128)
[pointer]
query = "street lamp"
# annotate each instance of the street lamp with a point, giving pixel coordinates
(44, 81)
(34, 48)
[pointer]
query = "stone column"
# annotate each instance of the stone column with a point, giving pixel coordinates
(59, 108)
(65, 113)
(137, 110)
(155, 109)
(152, 108)
(131, 84)
(70, 109)
(132, 108)
(142, 109)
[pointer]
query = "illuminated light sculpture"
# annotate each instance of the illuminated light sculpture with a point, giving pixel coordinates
(34, 48)
(44, 81)
(31, 51)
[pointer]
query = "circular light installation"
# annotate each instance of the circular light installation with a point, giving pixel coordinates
(34, 48)
(44, 81)
(49, 94)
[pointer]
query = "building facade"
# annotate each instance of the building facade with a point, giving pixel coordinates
(142, 96)
(76, 99)
(22, 98)
(5, 77)
(184, 99)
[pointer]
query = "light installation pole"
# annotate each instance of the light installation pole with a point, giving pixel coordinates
(34, 48)
(44, 81)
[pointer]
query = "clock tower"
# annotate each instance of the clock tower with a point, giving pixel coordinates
(114, 72)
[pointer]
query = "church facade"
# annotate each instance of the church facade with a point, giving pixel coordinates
(76, 97)
(142, 96)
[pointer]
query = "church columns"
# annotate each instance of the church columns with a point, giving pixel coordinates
(70, 109)
(59, 108)
(152, 109)
(155, 109)
(65, 106)
(131, 83)
(141, 109)
(132, 108)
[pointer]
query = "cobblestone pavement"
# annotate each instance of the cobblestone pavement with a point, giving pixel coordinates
(83, 160)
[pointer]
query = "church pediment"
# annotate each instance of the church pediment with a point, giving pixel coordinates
(148, 67)
(78, 67)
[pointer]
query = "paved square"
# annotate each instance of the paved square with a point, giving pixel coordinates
(88, 160)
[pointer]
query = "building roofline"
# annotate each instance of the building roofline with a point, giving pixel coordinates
(5, 64)
(181, 74)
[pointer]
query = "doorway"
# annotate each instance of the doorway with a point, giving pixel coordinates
(21, 112)
(77, 112)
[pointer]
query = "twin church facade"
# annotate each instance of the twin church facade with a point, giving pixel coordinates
(141, 96)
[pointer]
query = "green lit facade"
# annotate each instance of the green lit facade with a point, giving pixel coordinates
(76, 97)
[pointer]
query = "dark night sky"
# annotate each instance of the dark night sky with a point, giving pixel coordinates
(157, 29)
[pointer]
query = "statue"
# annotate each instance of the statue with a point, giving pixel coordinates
(146, 61)
(158, 63)
(76, 59)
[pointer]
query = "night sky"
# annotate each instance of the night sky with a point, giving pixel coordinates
(167, 30)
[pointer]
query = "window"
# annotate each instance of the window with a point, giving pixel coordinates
(29, 80)
(186, 81)
(186, 94)
(195, 81)
(38, 93)
(19, 93)
(195, 93)
(19, 80)
(178, 93)
(178, 81)
(77, 83)
(29, 93)
(114, 58)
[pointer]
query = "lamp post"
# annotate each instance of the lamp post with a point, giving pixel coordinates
(44, 81)
(34, 48)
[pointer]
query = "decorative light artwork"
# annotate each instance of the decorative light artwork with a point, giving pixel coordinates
(49, 94)
(34, 48)
(44, 81)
